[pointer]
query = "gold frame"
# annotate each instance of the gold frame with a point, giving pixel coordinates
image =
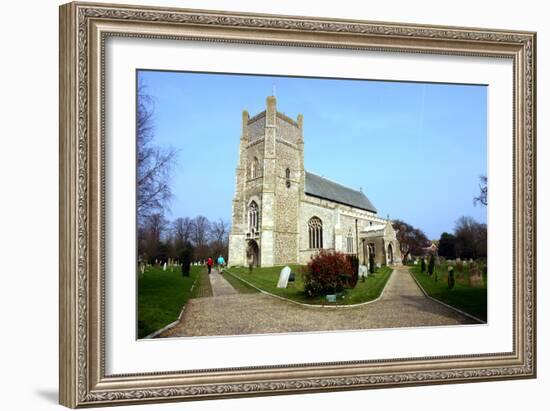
(83, 30)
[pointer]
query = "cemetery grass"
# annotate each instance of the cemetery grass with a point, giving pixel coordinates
(266, 279)
(240, 286)
(161, 296)
(472, 300)
(202, 287)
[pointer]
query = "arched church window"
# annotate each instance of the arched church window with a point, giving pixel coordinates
(349, 242)
(253, 218)
(255, 168)
(315, 226)
(287, 176)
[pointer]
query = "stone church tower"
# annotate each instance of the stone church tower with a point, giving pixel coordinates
(283, 214)
(270, 181)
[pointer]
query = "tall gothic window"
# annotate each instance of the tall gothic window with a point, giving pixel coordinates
(253, 218)
(287, 176)
(315, 226)
(349, 242)
(255, 168)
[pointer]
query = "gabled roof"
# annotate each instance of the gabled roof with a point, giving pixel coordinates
(320, 187)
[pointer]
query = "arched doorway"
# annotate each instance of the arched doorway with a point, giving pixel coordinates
(390, 253)
(253, 253)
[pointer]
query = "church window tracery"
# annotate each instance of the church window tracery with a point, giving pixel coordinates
(315, 226)
(349, 242)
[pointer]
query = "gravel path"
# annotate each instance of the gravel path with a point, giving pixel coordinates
(402, 305)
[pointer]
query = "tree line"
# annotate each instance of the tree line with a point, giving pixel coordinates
(468, 240)
(161, 240)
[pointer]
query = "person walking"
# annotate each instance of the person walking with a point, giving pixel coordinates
(209, 263)
(221, 263)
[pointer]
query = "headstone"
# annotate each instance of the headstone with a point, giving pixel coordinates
(363, 271)
(164, 268)
(331, 298)
(475, 281)
(142, 266)
(283, 277)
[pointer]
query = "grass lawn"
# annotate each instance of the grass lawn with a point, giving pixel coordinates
(202, 288)
(240, 286)
(266, 279)
(161, 296)
(472, 300)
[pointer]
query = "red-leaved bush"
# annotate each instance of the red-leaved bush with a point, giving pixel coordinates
(328, 273)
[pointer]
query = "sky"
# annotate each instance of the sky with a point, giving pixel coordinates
(415, 149)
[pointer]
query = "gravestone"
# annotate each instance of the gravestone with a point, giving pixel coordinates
(283, 277)
(363, 271)
(164, 267)
(475, 279)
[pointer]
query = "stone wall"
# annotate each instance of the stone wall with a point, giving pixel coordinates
(256, 127)
(287, 199)
(287, 129)
(338, 220)
(327, 216)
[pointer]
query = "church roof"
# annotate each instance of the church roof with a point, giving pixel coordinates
(318, 186)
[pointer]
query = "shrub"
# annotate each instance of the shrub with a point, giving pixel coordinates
(372, 265)
(328, 273)
(451, 278)
(354, 261)
(186, 257)
(431, 265)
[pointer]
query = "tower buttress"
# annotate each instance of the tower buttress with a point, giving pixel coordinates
(237, 251)
(268, 219)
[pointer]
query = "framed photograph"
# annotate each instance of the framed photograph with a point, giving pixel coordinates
(262, 204)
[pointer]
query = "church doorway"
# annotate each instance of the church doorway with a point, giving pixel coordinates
(253, 253)
(390, 253)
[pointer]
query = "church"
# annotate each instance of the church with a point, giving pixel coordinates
(283, 214)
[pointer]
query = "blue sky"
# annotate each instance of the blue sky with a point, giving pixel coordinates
(416, 149)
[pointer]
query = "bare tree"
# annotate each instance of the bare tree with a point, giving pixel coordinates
(154, 164)
(151, 233)
(182, 228)
(220, 231)
(201, 231)
(200, 235)
(411, 240)
(220, 237)
(471, 238)
(482, 198)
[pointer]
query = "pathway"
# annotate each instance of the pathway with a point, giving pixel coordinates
(402, 305)
(220, 286)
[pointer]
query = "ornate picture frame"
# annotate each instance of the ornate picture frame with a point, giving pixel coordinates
(84, 28)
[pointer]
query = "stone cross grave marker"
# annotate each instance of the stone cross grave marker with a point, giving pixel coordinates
(283, 277)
